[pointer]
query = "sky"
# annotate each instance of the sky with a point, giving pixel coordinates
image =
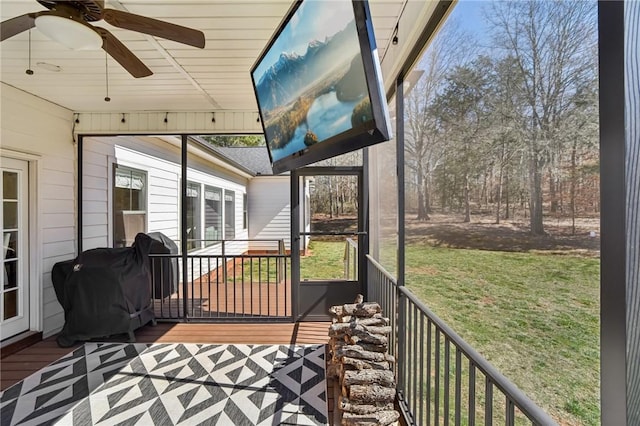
(312, 21)
(469, 12)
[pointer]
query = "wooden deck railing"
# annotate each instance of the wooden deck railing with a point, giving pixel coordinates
(222, 285)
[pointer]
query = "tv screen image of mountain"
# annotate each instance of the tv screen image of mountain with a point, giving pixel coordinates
(318, 84)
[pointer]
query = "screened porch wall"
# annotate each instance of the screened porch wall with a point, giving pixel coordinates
(383, 199)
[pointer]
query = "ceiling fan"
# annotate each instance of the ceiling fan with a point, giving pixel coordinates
(77, 15)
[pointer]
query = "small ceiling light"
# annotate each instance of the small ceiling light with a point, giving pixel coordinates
(69, 32)
(394, 39)
(48, 67)
(29, 71)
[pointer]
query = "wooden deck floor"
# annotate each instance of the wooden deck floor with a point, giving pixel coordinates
(16, 367)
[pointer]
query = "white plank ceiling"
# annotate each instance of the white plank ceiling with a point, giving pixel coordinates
(184, 78)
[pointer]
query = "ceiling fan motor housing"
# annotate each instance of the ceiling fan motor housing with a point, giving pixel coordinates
(91, 10)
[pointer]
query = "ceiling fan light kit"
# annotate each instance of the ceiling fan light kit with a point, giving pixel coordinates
(68, 32)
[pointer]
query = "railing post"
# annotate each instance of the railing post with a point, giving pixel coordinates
(281, 263)
(224, 264)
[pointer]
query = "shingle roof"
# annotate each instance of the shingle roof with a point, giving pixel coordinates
(254, 158)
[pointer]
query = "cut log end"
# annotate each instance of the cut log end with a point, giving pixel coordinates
(366, 394)
(380, 418)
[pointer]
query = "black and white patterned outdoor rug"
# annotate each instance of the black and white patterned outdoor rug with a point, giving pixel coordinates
(174, 384)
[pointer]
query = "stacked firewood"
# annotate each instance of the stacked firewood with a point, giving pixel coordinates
(360, 362)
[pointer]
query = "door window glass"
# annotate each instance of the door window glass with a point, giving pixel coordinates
(129, 204)
(229, 215)
(194, 239)
(212, 215)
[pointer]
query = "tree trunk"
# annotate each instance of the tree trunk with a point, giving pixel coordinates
(535, 196)
(572, 189)
(467, 207)
(444, 194)
(330, 199)
(422, 209)
(499, 189)
(427, 195)
(553, 193)
(506, 195)
(484, 192)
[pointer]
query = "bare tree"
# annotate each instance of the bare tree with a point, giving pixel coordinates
(551, 43)
(422, 144)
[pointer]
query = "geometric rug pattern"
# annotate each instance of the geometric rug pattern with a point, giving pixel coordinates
(174, 384)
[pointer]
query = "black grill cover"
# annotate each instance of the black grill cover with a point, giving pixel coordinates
(104, 291)
(164, 271)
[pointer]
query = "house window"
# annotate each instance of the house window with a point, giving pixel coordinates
(129, 205)
(194, 238)
(245, 214)
(229, 215)
(212, 215)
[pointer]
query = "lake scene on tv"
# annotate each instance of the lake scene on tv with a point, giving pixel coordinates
(311, 83)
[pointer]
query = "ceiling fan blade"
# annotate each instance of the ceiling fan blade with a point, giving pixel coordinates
(154, 27)
(122, 55)
(16, 25)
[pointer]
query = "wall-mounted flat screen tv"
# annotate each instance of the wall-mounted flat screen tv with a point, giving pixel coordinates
(319, 86)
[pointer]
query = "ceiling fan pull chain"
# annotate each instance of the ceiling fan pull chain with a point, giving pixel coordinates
(106, 75)
(29, 71)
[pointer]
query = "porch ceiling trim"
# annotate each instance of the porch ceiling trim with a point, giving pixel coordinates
(177, 122)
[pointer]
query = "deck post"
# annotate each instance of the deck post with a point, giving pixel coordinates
(183, 223)
(402, 303)
(80, 196)
(619, 35)
(295, 244)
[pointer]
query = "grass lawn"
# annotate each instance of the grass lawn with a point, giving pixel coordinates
(326, 260)
(533, 316)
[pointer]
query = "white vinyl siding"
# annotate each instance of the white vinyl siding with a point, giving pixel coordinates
(42, 132)
(269, 211)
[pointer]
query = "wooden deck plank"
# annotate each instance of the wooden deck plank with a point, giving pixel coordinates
(16, 367)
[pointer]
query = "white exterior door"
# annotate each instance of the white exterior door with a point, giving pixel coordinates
(14, 252)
